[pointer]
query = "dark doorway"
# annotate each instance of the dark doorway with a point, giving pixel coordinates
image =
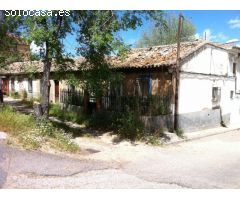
(56, 83)
(5, 86)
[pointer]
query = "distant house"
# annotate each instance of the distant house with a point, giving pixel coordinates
(209, 91)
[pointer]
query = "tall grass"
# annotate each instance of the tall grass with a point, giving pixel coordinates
(74, 116)
(33, 134)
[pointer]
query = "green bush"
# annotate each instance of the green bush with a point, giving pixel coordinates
(179, 132)
(100, 120)
(127, 124)
(56, 111)
(130, 126)
(15, 95)
(24, 94)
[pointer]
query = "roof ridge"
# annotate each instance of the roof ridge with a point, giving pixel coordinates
(169, 45)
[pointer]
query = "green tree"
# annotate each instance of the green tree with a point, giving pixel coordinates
(6, 44)
(47, 31)
(7, 55)
(167, 33)
(97, 35)
(98, 38)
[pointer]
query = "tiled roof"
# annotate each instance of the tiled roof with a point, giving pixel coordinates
(32, 67)
(164, 55)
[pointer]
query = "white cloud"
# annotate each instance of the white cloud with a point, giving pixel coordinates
(234, 23)
(233, 40)
(197, 36)
(209, 35)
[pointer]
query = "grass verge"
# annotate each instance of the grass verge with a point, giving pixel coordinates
(73, 116)
(32, 134)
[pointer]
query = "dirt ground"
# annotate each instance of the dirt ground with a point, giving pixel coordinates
(210, 162)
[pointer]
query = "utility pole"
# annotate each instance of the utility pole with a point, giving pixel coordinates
(177, 73)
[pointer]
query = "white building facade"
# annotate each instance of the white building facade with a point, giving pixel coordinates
(209, 91)
(32, 88)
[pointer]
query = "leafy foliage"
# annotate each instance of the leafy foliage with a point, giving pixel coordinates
(74, 116)
(15, 95)
(97, 36)
(167, 33)
(7, 42)
(130, 126)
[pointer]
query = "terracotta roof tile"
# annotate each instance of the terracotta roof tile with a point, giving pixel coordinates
(164, 55)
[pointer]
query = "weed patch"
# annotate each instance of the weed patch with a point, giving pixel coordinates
(74, 116)
(32, 134)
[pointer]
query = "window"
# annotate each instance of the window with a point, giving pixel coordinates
(41, 85)
(234, 69)
(30, 87)
(231, 94)
(216, 96)
(12, 84)
(144, 85)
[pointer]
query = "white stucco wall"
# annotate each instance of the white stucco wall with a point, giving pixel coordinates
(209, 68)
(211, 60)
(21, 84)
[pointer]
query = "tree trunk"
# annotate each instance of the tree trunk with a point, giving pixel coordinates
(45, 88)
(1, 96)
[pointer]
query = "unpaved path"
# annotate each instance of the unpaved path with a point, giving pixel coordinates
(211, 162)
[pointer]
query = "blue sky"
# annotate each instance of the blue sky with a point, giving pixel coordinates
(220, 26)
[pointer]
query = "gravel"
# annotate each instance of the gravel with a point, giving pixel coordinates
(212, 162)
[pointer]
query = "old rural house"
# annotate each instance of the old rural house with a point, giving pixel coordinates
(209, 91)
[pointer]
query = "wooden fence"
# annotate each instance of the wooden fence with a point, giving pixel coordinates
(71, 97)
(148, 105)
(151, 105)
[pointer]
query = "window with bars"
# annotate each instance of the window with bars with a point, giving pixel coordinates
(30, 86)
(12, 84)
(231, 94)
(144, 86)
(234, 69)
(216, 96)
